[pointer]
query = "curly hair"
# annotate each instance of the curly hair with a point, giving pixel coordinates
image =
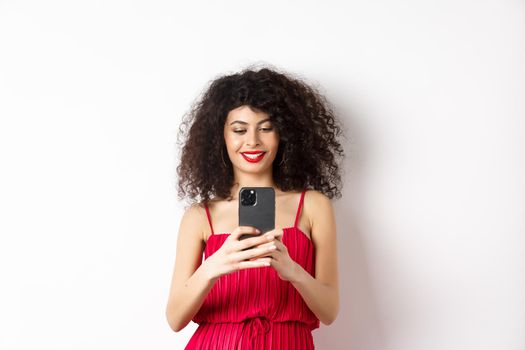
(309, 152)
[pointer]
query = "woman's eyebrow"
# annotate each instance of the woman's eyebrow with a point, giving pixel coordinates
(241, 122)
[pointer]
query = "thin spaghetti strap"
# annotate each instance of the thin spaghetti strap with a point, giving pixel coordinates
(209, 217)
(299, 208)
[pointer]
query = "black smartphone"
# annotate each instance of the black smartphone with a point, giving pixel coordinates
(257, 209)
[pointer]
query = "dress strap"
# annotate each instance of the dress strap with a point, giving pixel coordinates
(208, 215)
(299, 208)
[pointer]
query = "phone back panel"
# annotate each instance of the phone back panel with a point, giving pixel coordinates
(262, 214)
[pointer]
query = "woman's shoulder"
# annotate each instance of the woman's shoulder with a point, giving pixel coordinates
(216, 202)
(316, 196)
(192, 220)
(320, 212)
(316, 204)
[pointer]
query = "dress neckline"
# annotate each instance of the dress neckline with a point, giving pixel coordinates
(284, 228)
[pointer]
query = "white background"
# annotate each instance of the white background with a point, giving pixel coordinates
(430, 226)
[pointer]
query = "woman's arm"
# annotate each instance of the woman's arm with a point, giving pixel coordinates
(321, 293)
(191, 281)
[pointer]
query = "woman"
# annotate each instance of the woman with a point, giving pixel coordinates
(257, 129)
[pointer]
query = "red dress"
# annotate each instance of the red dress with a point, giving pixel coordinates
(254, 308)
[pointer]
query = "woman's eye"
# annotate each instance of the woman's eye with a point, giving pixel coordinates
(240, 131)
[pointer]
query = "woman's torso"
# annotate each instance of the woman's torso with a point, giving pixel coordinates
(259, 292)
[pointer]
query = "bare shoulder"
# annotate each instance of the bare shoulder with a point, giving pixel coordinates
(316, 204)
(324, 238)
(319, 210)
(192, 222)
(317, 197)
(189, 242)
(189, 250)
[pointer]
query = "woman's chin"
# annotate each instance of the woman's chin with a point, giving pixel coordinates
(253, 168)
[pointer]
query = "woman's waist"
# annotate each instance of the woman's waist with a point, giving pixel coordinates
(261, 319)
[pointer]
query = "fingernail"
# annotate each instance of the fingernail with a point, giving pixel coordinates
(257, 230)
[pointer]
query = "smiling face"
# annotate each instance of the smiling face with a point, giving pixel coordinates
(251, 140)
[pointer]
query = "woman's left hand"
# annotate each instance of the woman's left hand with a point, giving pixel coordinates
(286, 267)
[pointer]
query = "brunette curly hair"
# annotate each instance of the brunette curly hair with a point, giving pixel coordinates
(306, 123)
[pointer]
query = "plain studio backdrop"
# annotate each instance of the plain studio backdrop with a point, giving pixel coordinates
(431, 223)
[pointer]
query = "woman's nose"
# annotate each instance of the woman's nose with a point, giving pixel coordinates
(252, 138)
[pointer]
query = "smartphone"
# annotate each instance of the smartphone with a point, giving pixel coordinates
(257, 209)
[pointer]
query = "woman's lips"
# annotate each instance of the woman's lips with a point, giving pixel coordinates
(253, 159)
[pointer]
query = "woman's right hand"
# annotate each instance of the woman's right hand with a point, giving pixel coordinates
(234, 254)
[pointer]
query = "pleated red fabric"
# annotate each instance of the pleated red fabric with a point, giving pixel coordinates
(253, 308)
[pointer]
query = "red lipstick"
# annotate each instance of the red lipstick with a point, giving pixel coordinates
(253, 159)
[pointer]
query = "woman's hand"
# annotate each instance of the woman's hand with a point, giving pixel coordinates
(286, 267)
(235, 254)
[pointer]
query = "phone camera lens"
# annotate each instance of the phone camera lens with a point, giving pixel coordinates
(248, 197)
